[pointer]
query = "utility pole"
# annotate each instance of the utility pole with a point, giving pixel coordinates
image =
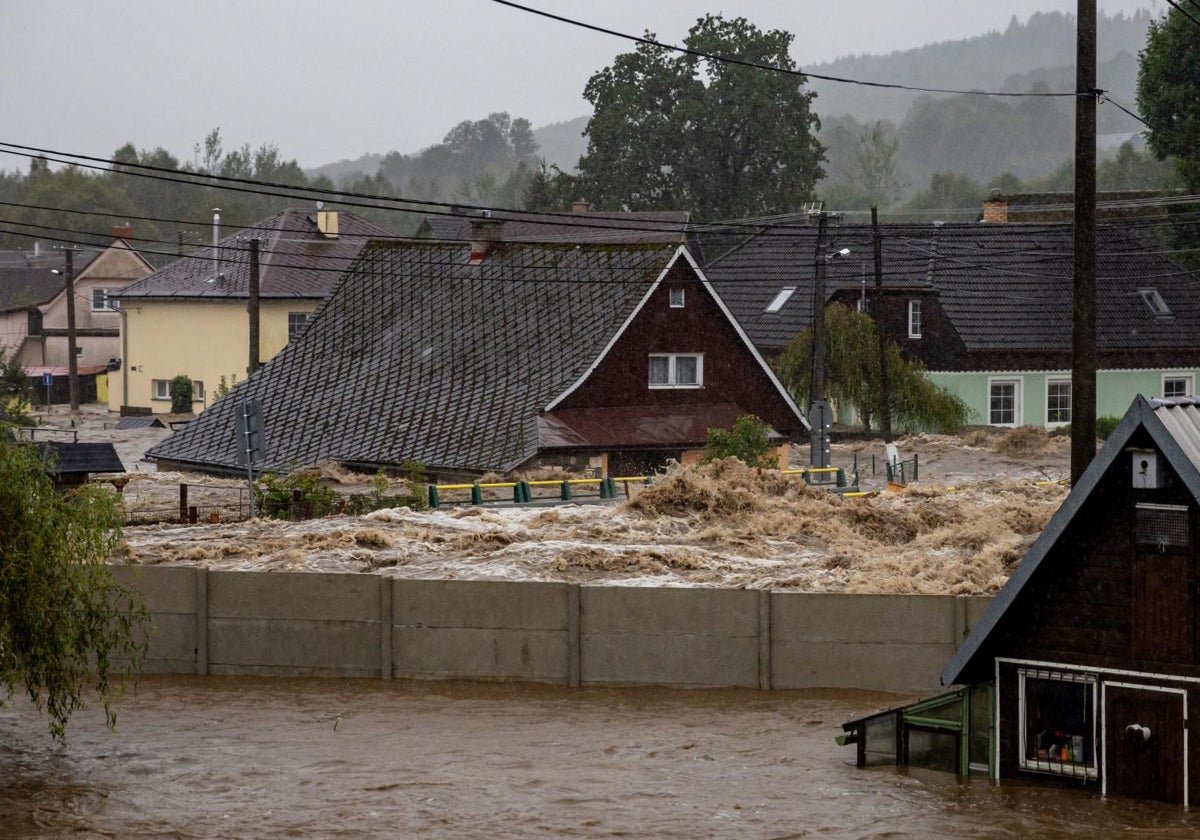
(818, 415)
(885, 405)
(1083, 339)
(253, 306)
(72, 358)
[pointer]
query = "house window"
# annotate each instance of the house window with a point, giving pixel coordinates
(1058, 723)
(914, 319)
(197, 391)
(101, 302)
(162, 389)
(676, 297)
(777, 302)
(676, 370)
(1178, 386)
(1058, 401)
(1004, 402)
(1154, 301)
(296, 323)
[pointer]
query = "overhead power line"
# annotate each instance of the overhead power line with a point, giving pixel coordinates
(1184, 12)
(782, 70)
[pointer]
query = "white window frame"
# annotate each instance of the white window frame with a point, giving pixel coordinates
(780, 300)
(198, 390)
(299, 329)
(1068, 769)
(160, 385)
(107, 303)
(1018, 386)
(914, 318)
(672, 376)
(1054, 380)
(1189, 380)
(675, 298)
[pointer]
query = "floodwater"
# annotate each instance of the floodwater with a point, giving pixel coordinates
(246, 757)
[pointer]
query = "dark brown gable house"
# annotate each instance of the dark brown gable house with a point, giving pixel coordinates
(1085, 669)
(496, 356)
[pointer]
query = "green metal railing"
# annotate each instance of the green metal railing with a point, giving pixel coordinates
(898, 472)
(585, 489)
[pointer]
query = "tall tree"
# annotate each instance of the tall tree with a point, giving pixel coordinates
(1169, 92)
(876, 157)
(65, 625)
(678, 131)
(1169, 99)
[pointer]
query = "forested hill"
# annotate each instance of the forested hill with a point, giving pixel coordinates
(1040, 49)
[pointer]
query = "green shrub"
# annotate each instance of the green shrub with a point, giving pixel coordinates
(747, 441)
(300, 495)
(181, 395)
(1105, 426)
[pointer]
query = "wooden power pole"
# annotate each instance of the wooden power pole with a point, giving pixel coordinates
(885, 404)
(253, 307)
(72, 357)
(1083, 341)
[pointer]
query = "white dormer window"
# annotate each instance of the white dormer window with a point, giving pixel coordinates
(676, 298)
(777, 303)
(1155, 302)
(914, 319)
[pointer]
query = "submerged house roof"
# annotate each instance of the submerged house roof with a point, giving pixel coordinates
(421, 355)
(78, 460)
(1173, 426)
(296, 261)
(1004, 289)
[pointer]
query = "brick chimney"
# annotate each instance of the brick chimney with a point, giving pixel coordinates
(580, 206)
(486, 234)
(124, 231)
(995, 209)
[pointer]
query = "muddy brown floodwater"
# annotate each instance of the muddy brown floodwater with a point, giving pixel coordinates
(244, 757)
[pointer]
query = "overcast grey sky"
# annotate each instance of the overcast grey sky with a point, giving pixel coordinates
(337, 78)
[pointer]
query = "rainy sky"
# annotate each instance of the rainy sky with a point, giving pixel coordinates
(331, 80)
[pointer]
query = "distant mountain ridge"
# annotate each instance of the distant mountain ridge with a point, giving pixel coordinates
(1039, 51)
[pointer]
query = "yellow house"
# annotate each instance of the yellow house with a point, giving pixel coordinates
(192, 317)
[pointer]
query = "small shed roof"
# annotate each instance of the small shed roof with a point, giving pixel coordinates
(82, 458)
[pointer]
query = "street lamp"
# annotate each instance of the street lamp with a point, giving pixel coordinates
(820, 416)
(72, 361)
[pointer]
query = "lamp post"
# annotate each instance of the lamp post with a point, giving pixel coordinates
(820, 416)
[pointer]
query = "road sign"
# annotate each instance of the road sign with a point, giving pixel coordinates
(47, 379)
(252, 445)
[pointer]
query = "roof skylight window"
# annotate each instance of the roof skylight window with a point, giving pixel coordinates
(780, 299)
(1155, 301)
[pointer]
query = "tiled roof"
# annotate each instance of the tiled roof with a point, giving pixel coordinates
(594, 226)
(21, 288)
(295, 261)
(1003, 287)
(417, 355)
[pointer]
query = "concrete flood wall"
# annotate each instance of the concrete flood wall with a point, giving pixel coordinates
(353, 625)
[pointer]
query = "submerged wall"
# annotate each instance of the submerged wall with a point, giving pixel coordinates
(355, 625)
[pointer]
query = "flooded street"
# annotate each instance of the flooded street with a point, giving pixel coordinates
(242, 757)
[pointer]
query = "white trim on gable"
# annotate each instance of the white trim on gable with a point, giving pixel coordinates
(704, 282)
